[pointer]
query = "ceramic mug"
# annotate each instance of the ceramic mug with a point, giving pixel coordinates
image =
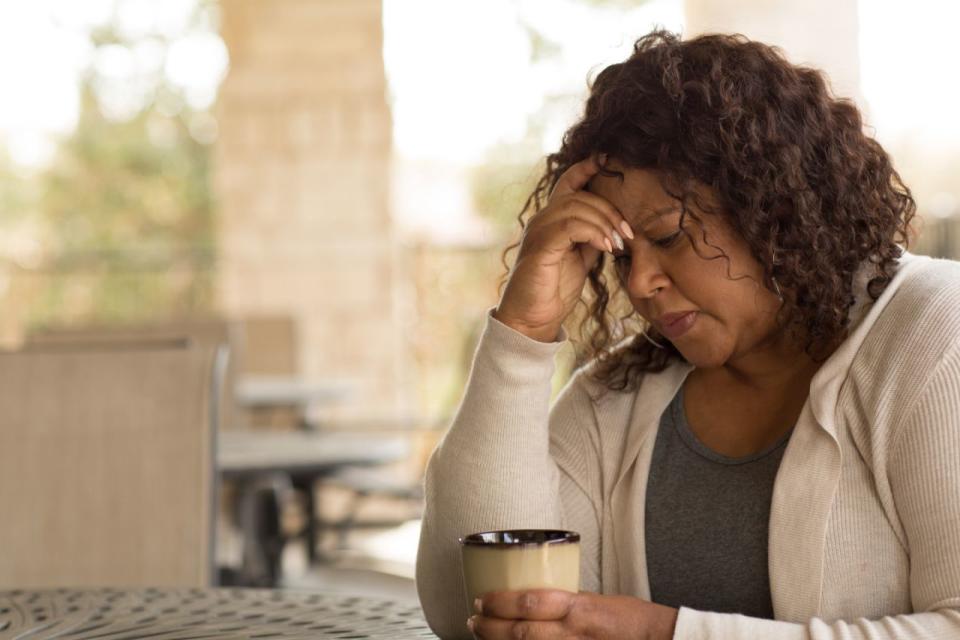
(520, 559)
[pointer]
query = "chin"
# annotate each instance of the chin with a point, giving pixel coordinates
(703, 356)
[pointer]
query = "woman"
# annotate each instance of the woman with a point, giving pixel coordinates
(765, 442)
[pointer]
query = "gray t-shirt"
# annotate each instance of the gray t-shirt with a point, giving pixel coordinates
(706, 522)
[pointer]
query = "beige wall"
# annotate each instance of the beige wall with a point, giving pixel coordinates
(302, 180)
(821, 33)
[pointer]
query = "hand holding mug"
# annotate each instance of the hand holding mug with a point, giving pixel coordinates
(540, 614)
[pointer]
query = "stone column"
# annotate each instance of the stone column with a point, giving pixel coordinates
(819, 33)
(302, 174)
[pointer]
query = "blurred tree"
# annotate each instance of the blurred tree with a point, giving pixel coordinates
(16, 193)
(127, 201)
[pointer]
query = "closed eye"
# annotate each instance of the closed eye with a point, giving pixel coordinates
(622, 260)
(663, 243)
(667, 241)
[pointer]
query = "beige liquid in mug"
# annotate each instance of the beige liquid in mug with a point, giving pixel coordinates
(520, 559)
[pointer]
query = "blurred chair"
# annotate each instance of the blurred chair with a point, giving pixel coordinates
(268, 348)
(266, 343)
(269, 345)
(107, 471)
(208, 332)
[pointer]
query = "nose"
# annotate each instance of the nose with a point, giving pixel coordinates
(646, 277)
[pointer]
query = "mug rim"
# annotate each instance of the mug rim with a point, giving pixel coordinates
(562, 536)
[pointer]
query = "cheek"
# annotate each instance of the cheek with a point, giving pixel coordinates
(732, 310)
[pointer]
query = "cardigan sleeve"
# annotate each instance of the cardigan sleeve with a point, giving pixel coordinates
(925, 478)
(495, 469)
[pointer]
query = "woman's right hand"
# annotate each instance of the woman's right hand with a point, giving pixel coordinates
(560, 245)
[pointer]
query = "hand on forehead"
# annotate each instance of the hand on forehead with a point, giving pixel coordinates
(641, 197)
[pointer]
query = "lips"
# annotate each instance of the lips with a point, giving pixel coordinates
(674, 325)
(670, 318)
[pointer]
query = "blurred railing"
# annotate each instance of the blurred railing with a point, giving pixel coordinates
(939, 236)
(99, 289)
(448, 289)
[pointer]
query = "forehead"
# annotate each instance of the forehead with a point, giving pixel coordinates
(639, 196)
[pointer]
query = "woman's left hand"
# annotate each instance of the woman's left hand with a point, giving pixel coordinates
(549, 614)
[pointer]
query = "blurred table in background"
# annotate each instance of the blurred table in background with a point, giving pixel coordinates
(263, 465)
(165, 614)
(251, 453)
(265, 391)
(288, 400)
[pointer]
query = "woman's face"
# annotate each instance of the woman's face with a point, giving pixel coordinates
(733, 314)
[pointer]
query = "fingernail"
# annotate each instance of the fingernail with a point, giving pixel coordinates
(471, 623)
(478, 605)
(617, 240)
(609, 246)
(602, 158)
(627, 231)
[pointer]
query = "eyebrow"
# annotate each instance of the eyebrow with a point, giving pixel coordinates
(633, 213)
(662, 211)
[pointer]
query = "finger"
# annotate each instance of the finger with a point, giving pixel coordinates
(611, 213)
(487, 628)
(589, 256)
(567, 232)
(585, 209)
(588, 209)
(533, 604)
(576, 176)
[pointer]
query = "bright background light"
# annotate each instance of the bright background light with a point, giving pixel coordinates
(459, 89)
(455, 91)
(44, 49)
(908, 57)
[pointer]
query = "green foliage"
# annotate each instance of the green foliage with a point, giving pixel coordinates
(15, 192)
(129, 211)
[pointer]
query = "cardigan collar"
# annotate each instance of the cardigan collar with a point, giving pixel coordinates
(660, 388)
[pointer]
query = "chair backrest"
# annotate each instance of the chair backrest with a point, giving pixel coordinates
(209, 332)
(107, 472)
(270, 345)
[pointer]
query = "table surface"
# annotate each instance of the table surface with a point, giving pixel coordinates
(262, 451)
(258, 391)
(165, 614)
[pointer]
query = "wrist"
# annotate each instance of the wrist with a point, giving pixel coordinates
(668, 623)
(546, 334)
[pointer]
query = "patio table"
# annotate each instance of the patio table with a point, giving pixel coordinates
(268, 391)
(166, 613)
(252, 453)
(257, 461)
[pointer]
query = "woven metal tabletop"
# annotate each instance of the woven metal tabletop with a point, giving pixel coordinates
(164, 614)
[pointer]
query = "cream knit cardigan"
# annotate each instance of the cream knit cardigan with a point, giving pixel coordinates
(864, 534)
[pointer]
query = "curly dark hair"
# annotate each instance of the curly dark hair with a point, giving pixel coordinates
(796, 177)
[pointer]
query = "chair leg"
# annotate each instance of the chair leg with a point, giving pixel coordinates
(263, 541)
(305, 484)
